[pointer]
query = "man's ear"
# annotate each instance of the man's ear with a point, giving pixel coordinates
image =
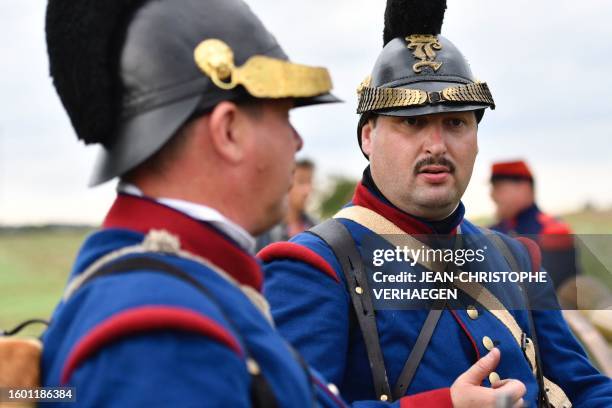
(226, 132)
(367, 135)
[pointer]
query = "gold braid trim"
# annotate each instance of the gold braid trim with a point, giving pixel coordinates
(371, 99)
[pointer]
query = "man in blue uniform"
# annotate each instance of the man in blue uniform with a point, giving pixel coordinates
(513, 191)
(420, 110)
(189, 100)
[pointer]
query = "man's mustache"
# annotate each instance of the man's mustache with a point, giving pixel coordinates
(434, 161)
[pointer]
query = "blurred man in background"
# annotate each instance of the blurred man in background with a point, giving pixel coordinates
(297, 219)
(513, 192)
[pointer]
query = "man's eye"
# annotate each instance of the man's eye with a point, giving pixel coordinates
(455, 122)
(411, 121)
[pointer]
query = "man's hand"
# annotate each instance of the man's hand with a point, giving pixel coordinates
(466, 391)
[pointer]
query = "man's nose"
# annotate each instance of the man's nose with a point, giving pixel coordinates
(299, 142)
(435, 144)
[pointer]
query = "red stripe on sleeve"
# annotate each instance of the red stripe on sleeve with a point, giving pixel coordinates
(141, 320)
(292, 251)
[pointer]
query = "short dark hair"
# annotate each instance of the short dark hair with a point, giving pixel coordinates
(304, 164)
(514, 178)
(372, 117)
(247, 103)
(167, 154)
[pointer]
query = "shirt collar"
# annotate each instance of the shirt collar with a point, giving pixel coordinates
(143, 215)
(201, 213)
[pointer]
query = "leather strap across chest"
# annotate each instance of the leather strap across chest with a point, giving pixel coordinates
(397, 237)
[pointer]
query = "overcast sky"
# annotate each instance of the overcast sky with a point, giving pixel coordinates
(547, 62)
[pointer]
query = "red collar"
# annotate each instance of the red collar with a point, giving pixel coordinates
(410, 225)
(142, 215)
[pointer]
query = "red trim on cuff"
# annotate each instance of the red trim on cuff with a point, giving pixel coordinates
(440, 398)
(140, 320)
(292, 251)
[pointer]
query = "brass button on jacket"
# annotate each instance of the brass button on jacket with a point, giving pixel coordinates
(472, 312)
(488, 343)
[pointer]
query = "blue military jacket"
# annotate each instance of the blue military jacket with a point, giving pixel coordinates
(148, 339)
(307, 292)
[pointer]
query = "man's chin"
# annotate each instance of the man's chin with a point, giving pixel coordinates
(438, 199)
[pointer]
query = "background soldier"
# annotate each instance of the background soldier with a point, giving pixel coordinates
(513, 191)
(189, 100)
(419, 118)
(297, 219)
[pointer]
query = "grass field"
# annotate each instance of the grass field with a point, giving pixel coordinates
(590, 222)
(34, 264)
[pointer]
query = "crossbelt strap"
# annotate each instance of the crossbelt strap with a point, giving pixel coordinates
(391, 233)
(420, 346)
(417, 352)
(514, 266)
(342, 244)
(339, 243)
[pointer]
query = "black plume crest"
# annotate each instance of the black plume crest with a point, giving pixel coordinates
(84, 39)
(407, 17)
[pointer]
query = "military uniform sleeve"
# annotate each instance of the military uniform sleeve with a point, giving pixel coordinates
(328, 397)
(168, 365)
(439, 398)
(308, 302)
(566, 364)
